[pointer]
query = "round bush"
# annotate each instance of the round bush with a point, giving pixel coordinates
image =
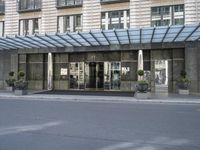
(183, 73)
(21, 74)
(140, 72)
(11, 74)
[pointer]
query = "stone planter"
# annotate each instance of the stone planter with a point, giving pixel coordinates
(142, 87)
(139, 95)
(20, 92)
(183, 92)
(9, 88)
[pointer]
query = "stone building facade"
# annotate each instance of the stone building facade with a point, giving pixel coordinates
(100, 68)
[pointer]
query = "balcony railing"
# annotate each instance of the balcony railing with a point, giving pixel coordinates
(2, 7)
(69, 3)
(113, 1)
(29, 5)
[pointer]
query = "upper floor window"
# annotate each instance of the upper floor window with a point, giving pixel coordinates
(167, 15)
(70, 23)
(1, 28)
(29, 26)
(113, 1)
(2, 7)
(115, 20)
(29, 5)
(69, 3)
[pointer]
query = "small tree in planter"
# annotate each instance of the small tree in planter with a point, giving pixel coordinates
(11, 81)
(21, 85)
(183, 83)
(142, 86)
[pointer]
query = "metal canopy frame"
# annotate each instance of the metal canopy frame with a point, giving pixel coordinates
(171, 34)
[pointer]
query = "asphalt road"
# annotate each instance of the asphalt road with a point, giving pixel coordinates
(40, 125)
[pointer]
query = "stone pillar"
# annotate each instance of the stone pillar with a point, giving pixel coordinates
(14, 63)
(191, 65)
(140, 61)
(22, 65)
(50, 72)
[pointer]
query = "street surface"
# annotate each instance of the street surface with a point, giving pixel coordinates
(48, 125)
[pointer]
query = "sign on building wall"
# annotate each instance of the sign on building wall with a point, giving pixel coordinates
(125, 70)
(63, 71)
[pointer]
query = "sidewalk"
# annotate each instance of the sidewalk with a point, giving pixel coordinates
(172, 98)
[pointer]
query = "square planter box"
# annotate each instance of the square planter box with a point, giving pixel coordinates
(183, 92)
(9, 88)
(20, 92)
(139, 95)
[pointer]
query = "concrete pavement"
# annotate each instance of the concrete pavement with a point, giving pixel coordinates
(43, 125)
(172, 98)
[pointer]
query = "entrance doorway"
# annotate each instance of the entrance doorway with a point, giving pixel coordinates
(161, 76)
(94, 75)
(112, 75)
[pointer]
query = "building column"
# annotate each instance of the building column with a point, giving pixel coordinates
(50, 72)
(140, 61)
(107, 20)
(192, 65)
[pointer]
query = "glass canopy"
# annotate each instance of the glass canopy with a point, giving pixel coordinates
(133, 36)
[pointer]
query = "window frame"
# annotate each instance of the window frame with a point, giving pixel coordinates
(105, 2)
(27, 19)
(3, 30)
(127, 12)
(172, 18)
(2, 7)
(74, 27)
(21, 10)
(58, 6)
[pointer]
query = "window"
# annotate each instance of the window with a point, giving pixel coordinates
(2, 6)
(178, 16)
(29, 26)
(69, 23)
(115, 19)
(167, 15)
(1, 28)
(178, 8)
(29, 5)
(64, 3)
(155, 11)
(113, 1)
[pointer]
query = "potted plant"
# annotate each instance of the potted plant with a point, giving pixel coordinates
(21, 84)
(142, 86)
(183, 83)
(10, 82)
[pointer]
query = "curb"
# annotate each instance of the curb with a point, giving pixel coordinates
(98, 99)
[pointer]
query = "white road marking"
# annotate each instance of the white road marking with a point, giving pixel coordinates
(26, 128)
(119, 146)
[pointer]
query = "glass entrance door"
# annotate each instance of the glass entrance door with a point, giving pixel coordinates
(77, 75)
(112, 75)
(94, 75)
(161, 76)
